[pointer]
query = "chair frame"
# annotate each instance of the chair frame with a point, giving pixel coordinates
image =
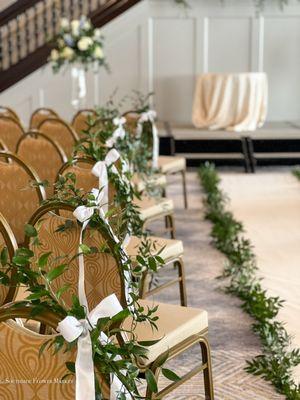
(50, 110)
(182, 172)
(63, 206)
(11, 245)
(177, 261)
(10, 111)
(36, 134)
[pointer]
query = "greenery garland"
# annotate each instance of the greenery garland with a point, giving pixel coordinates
(277, 360)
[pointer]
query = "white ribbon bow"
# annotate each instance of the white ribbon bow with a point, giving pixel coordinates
(119, 133)
(145, 117)
(71, 329)
(100, 170)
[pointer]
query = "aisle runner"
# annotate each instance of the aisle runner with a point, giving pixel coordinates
(268, 205)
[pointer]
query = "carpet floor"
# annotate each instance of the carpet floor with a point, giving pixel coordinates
(230, 335)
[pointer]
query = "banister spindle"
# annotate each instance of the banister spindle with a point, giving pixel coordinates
(27, 31)
(36, 25)
(1, 50)
(45, 21)
(18, 39)
(9, 45)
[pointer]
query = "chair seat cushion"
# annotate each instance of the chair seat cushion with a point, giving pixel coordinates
(172, 249)
(171, 164)
(152, 208)
(157, 180)
(172, 331)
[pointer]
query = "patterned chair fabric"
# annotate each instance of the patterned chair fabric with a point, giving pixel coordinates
(18, 198)
(61, 132)
(10, 132)
(8, 241)
(80, 120)
(102, 276)
(39, 115)
(28, 375)
(8, 112)
(43, 154)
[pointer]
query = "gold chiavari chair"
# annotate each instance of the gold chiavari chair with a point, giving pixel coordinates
(61, 132)
(9, 112)
(104, 276)
(39, 115)
(81, 118)
(20, 190)
(10, 131)
(170, 250)
(43, 154)
(8, 245)
(167, 165)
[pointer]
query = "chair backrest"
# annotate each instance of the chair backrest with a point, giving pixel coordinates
(39, 115)
(81, 118)
(18, 198)
(10, 131)
(103, 271)
(43, 154)
(9, 112)
(61, 132)
(82, 168)
(31, 375)
(8, 242)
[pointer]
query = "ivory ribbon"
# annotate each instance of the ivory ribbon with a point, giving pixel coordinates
(100, 170)
(72, 329)
(119, 132)
(145, 117)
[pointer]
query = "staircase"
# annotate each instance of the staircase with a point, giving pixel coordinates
(27, 27)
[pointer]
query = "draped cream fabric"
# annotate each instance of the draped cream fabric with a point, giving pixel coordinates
(235, 102)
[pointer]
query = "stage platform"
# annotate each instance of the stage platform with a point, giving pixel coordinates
(276, 143)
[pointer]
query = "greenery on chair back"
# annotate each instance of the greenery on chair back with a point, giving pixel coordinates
(38, 276)
(277, 360)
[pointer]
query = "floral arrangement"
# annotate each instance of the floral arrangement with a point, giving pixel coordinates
(77, 42)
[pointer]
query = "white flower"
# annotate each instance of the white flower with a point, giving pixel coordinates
(75, 27)
(84, 43)
(64, 23)
(98, 52)
(68, 53)
(87, 25)
(54, 55)
(97, 33)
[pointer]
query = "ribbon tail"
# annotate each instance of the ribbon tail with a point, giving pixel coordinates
(84, 366)
(155, 150)
(81, 279)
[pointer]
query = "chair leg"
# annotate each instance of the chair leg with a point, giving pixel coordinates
(182, 283)
(170, 224)
(183, 174)
(207, 372)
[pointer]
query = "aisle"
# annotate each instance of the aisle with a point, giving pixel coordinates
(268, 204)
(230, 328)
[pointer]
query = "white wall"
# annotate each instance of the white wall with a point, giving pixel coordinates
(158, 47)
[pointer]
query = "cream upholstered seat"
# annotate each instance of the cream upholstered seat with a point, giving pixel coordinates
(168, 249)
(43, 154)
(171, 331)
(151, 208)
(171, 164)
(39, 115)
(158, 180)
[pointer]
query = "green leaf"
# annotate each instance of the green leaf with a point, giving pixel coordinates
(30, 231)
(56, 272)
(20, 260)
(170, 375)
(42, 262)
(37, 295)
(85, 249)
(151, 381)
(4, 256)
(62, 290)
